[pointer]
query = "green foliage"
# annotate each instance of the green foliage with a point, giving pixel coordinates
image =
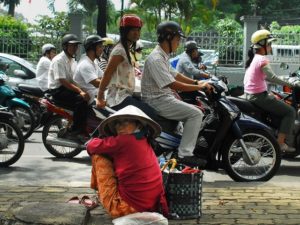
(48, 30)
(232, 37)
(55, 26)
(13, 36)
(287, 35)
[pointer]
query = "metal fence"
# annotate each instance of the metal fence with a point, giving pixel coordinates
(26, 45)
(228, 48)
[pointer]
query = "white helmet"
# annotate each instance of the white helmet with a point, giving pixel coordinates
(47, 47)
(139, 45)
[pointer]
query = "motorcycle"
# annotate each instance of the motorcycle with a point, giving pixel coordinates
(274, 122)
(60, 119)
(21, 109)
(11, 139)
(32, 95)
(230, 140)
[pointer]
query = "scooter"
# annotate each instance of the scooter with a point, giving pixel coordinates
(21, 109)
(32, 95)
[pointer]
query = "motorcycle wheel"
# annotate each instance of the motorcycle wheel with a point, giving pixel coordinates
(54, 125)
(25, 119)
(263, 149)
(11, 143)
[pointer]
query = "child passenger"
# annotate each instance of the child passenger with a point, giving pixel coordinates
(125, 170)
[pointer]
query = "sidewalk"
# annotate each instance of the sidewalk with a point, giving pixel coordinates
(237, 203)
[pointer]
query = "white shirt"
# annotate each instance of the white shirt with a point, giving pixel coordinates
(61, 67)
(42, 72)
(87, 71)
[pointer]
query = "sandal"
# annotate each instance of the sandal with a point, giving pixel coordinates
(88, 202)
(74, 200)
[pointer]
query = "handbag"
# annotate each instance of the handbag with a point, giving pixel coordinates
(183, 191)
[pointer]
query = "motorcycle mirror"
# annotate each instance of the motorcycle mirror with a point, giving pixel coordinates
(284, 66)
(20, 73)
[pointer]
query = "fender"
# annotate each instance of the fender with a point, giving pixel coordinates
(246, 121)
(6, 115)
(17, 101)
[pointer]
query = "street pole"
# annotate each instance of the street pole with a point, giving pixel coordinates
(122, 7)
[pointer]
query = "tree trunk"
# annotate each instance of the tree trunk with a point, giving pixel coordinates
(102, 17)
(11, 8)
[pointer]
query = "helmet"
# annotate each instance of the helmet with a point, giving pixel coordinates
(131, 20)
(70, 39)
(261, 37)
(92, 40)
(168, 29)
(108, 41)
(47, 47)
(139, 45)
(190, 45)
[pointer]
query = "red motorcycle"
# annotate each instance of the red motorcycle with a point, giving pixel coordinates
(61, 119)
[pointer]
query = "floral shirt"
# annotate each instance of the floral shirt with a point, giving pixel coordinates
(122, 83)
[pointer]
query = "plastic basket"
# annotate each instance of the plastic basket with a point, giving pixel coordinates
(184, 194)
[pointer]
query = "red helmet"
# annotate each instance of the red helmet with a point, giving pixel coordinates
(131, 20)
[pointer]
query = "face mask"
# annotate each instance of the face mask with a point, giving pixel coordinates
(138, 56)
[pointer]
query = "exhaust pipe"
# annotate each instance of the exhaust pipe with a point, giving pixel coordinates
(64, 143)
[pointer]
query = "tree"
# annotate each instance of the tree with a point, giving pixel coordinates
(90, 6)
(11, 6)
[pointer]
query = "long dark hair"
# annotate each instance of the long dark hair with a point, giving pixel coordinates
(123, 39)
(250, 57)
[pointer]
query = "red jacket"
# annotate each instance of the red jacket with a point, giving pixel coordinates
(139, 177)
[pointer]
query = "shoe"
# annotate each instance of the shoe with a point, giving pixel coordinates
(285, 148)
(192, 161)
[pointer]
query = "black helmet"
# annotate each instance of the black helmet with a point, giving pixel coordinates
(92, 40)
(70, 39)
(167, 30)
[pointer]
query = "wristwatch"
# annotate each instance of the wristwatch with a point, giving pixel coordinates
(195, 82)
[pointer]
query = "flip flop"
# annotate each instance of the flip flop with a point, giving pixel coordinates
(88, 202)
(74, 200)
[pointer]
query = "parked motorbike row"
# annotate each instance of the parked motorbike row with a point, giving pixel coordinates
(231, 138)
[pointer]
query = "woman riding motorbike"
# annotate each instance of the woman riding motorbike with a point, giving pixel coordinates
(258, 72)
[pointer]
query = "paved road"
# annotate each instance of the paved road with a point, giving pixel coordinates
(38, 167)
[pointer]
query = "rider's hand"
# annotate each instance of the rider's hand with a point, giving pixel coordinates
(206, 87)
(202, 67)
(100, 103)
(85, 96)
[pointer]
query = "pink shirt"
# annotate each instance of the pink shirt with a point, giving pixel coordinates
(139, 177)
(254, 80)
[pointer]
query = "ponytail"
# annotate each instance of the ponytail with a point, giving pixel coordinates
(250, 57)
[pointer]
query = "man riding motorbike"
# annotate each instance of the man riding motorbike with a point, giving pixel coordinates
(88, 74)
(158, 81)
(189, 61)
(63, 88)
(42, 68)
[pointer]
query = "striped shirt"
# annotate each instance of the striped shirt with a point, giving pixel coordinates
(157, 75)
(102, 63)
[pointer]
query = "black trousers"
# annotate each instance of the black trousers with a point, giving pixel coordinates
(75, 102)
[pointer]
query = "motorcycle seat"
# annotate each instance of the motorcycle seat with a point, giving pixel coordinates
(245, 105)
(29, 89)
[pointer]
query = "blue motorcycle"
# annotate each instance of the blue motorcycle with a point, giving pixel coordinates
(21, 109)
(244, 147)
